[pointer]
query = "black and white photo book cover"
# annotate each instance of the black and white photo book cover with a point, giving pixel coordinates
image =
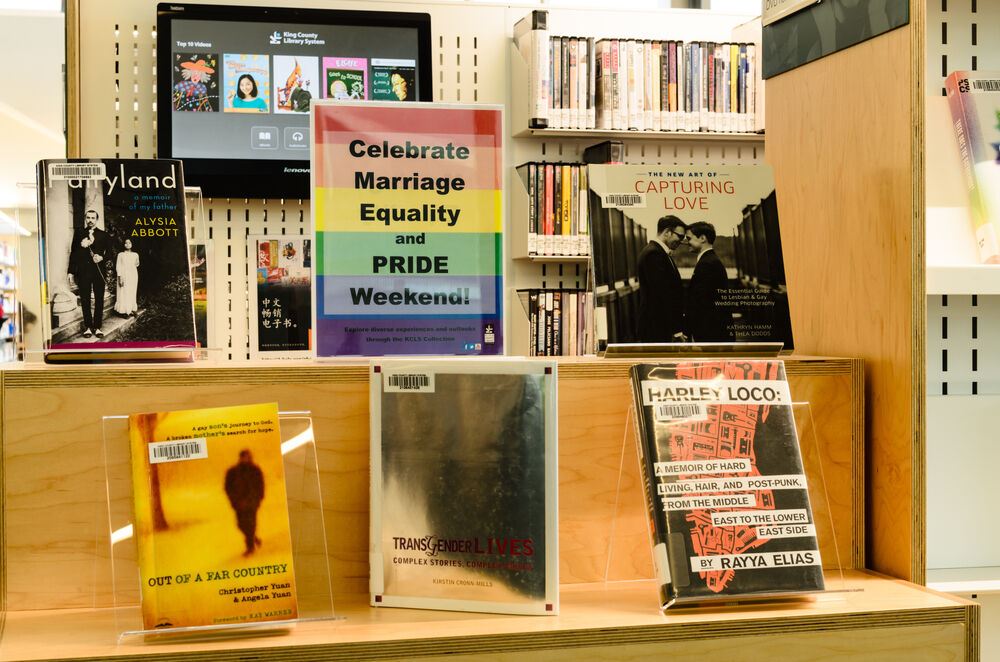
(687, 254)
(114, 260)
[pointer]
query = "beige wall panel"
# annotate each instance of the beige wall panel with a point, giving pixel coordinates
(840, 143)
(56, 523)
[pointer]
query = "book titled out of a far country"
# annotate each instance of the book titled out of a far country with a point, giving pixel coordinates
(723, 480)
(974, 100)
(464, 485)
(116, 280)
(211, 517)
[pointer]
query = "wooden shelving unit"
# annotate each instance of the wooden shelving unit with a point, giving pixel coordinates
(862, 297)
(56, 580)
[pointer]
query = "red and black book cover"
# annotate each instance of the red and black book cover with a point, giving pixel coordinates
(723, 479)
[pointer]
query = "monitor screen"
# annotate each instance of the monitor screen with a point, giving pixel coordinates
(235, 82)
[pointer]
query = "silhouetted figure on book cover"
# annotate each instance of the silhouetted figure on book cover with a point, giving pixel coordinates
(245, 489)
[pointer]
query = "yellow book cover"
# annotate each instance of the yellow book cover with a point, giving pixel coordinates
(211, 517)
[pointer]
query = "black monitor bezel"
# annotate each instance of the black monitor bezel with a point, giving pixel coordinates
(261, 178)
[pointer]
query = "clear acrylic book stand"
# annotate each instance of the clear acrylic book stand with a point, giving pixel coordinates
(630, 546)
(305, 513)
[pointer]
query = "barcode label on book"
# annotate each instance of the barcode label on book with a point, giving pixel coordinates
(988, 85)
(61, 171)
(175, 451)
(409, 382)
(634, 200)
(676, 412)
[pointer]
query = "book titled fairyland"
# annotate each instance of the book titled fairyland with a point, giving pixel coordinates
(116, 280)
(211, 517)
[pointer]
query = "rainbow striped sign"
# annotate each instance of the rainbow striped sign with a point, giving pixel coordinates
(408, 215)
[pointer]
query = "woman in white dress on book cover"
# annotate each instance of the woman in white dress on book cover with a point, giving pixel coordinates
(127, 268)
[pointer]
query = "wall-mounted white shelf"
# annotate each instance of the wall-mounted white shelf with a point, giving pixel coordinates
(963, 279)
(964, 580)
(642, 135)
(555, 258)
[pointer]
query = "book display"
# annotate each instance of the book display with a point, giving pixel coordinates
(280, 296)
(202, 257)
(486, 538)
(478, 505)
(686, 254)
(724, 483)
(561, 322)
(627, 84)
(558, 212)
(114, 260)
(974, 101)
(193, 569)
(207, 535)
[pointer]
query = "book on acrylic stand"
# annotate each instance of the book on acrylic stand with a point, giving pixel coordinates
(221, 526)
(485, 539)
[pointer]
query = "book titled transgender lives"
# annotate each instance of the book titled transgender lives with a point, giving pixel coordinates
(114, 260)
(464, 485)
(723, 480)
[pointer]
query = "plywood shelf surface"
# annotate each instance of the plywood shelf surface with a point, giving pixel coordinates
(592, 616)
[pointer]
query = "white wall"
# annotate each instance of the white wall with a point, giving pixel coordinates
(31, 95)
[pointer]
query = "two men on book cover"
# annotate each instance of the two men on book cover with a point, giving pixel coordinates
(665, 314)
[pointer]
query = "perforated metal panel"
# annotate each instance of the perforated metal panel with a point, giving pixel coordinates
(963, 353)
(471, 57)
(961, 35)
(963, 356)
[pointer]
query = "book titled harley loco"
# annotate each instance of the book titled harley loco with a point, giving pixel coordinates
(211, 517)
(723, 480)
(116, 280)
(974, 100)
(464, 485)
(687, 254)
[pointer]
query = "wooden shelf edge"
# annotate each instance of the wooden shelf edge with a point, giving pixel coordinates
(592, 615)
(305, 372)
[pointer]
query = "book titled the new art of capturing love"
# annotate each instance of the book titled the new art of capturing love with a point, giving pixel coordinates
(211, 517)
